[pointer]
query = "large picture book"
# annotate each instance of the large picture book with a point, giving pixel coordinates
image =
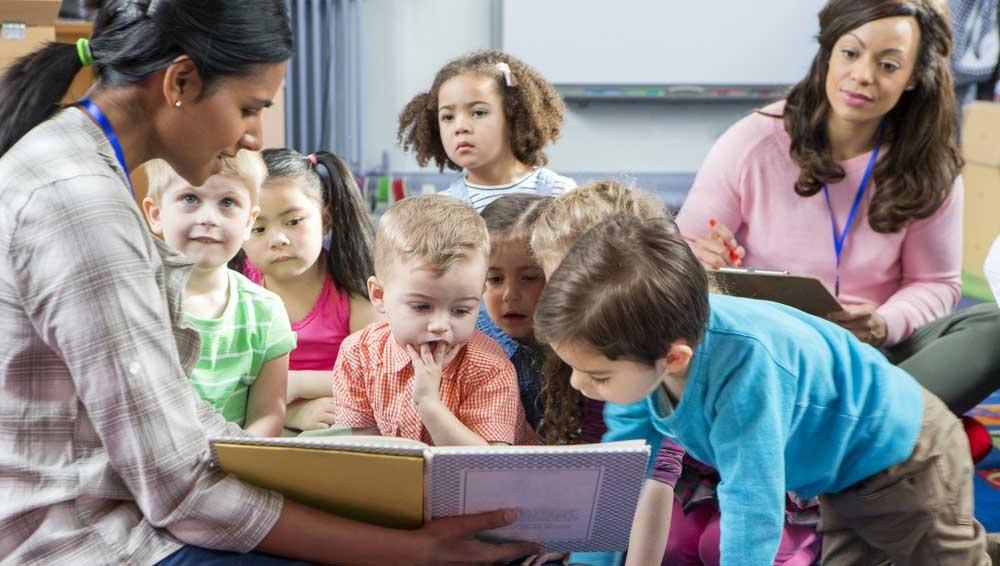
(577, 497)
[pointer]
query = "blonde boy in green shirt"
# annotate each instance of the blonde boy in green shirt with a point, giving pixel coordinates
(245, 333)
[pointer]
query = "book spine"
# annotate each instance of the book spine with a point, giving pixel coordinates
(428, 484)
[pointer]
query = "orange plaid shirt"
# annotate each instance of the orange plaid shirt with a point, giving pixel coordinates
(373, 387)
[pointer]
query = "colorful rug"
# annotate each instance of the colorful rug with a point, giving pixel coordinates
(987, 479)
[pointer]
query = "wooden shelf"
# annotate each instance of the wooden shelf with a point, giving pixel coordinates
(68, 31)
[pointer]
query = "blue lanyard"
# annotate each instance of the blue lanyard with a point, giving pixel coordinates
(95, 112)
(840, 239)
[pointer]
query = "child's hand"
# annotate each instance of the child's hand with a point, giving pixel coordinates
(718, 248)
(427, 368)
(310, 414)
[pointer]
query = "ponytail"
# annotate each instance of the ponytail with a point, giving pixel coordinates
(30, 90)
(351, 256)
(133, 39)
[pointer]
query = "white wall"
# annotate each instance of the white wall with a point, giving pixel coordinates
(641, 136)
(407, 41)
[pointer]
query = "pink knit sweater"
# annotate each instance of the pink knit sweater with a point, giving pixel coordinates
(747, 183)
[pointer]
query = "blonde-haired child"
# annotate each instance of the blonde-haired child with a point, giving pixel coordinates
(491, 115)
(245, 334)
(427, 373)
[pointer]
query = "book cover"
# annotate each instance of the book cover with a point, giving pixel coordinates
(579, 497)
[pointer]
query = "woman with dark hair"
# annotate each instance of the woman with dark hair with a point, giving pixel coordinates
(864, 148)
(103, 451)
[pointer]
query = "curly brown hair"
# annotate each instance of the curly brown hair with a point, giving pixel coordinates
(533, 108)
(562, 406)
(917, 173)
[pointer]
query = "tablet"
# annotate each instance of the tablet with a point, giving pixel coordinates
(803, 292)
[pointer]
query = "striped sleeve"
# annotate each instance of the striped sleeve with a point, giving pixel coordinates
(280, 338)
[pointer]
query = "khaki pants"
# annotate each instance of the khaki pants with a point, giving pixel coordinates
(916, 512)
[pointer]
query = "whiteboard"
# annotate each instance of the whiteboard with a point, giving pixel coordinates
(664, 42)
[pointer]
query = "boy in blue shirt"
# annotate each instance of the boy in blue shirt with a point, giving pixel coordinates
(775, 399)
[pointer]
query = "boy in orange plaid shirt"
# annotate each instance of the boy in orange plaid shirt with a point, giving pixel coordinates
(427, 373)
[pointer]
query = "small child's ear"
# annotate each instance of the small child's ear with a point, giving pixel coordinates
(678, 357)
(376, 294)
(152, 216)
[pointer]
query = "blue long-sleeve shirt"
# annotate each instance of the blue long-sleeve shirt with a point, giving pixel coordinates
(778, 400)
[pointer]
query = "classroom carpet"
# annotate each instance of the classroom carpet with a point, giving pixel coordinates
(986, 481)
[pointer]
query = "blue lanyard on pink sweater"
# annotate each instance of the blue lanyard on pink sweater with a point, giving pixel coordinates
(840, 239)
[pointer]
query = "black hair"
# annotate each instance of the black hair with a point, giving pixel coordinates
(350, 259)
(133, 39)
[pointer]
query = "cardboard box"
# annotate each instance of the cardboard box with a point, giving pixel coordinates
(981, 149)
(24, 26)
(68, 31)
(273, 121)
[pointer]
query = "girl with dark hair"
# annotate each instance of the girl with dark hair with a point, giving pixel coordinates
(103, 443)
(325, 291)
(863, 148)
(513, 282)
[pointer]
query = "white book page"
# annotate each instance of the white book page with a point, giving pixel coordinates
(552, 504)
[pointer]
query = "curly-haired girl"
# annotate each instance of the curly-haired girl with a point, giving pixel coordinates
(490, 115)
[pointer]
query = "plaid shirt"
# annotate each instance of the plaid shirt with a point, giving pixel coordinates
(102, 439)
(373, 387)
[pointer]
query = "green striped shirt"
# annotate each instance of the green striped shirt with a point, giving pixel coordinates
(252, 330)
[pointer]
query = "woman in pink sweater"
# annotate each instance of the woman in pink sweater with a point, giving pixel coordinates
(863, 153)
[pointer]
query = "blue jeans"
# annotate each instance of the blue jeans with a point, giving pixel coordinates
(197, 556)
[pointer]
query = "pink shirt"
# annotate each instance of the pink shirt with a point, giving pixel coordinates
(321, 331)
(747, 183)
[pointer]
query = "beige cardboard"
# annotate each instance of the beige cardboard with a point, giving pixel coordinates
(273, 121)
(982, 221)
(31, 39)
(981, 133)
(30, 12)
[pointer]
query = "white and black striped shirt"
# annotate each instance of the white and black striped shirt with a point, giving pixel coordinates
(539, 181)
